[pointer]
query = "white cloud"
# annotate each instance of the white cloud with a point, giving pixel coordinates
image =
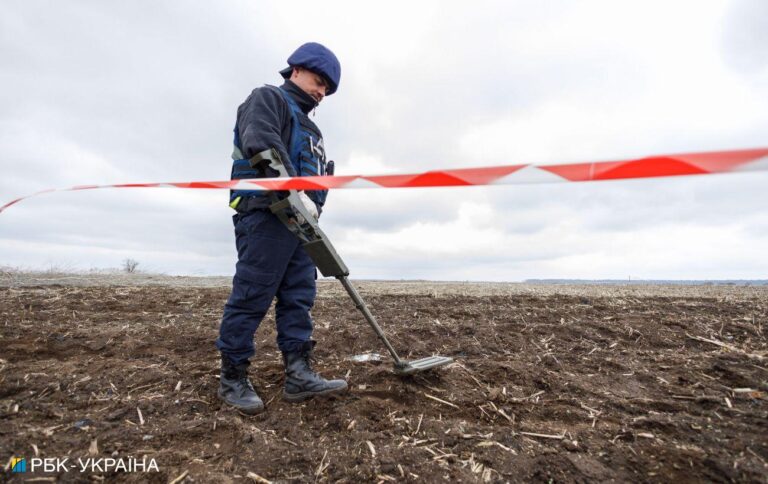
(147, 91)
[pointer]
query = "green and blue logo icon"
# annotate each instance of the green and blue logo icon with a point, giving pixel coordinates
(18, 464)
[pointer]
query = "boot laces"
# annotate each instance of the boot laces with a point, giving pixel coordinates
(309, 359)
(243, 380)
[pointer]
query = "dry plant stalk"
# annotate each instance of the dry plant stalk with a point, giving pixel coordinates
(441, 401)
(180, 478)
(542, 436)
(322, 466)
(727, 346)
(93, 450)
(257, 478)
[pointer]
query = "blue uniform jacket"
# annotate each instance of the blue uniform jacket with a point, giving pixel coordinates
(264, 121)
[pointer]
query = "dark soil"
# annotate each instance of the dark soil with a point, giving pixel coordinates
(545, 388)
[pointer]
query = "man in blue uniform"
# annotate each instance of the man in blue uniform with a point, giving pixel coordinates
(271, 261)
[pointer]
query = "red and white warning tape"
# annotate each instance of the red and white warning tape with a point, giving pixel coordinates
(652, 166)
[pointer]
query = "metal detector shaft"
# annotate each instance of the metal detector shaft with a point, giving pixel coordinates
(290, 210)
(368, 316)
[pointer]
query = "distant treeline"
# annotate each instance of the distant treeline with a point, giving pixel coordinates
(718, 282)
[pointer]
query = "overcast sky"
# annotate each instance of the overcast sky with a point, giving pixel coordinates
(145, 91)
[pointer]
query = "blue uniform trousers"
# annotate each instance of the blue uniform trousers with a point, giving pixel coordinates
(271, 263)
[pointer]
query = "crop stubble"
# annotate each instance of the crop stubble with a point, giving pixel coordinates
(570, 383)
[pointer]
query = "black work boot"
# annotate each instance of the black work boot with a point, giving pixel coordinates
(301, 381)
(236, 390)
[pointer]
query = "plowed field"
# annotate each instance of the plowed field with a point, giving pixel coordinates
(550, 384)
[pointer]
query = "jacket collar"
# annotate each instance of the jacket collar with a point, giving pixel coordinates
(306, 102)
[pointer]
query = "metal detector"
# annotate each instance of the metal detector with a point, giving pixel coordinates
(292, 213)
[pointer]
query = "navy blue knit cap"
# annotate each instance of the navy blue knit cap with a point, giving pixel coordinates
(319, 59)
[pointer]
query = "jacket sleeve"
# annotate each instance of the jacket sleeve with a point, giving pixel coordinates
(263, 122)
